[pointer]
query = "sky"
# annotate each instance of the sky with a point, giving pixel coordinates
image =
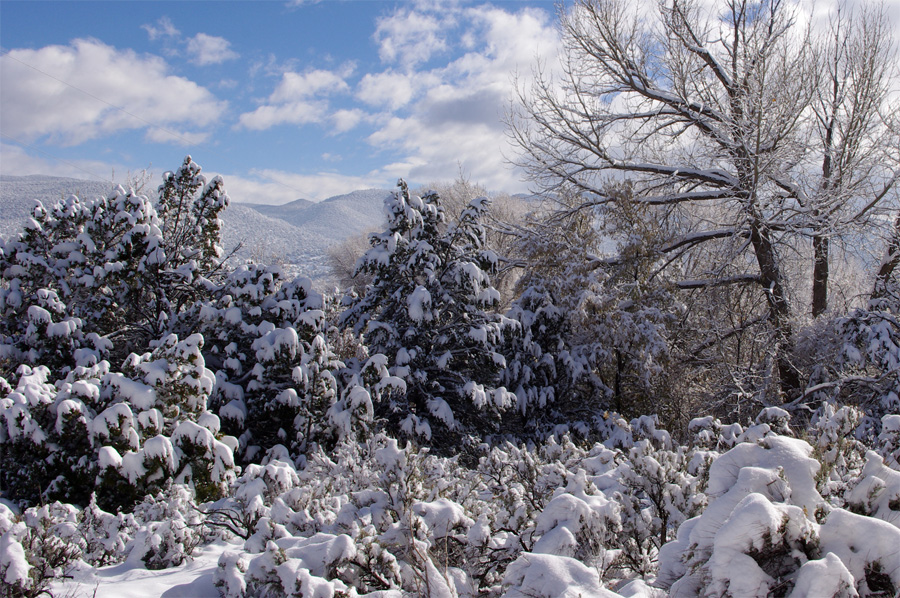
(286, 100)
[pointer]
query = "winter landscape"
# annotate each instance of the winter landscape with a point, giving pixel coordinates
(670, 368)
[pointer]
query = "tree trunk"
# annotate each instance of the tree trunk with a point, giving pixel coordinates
(779, 308)
(820, 275)
(888, 265)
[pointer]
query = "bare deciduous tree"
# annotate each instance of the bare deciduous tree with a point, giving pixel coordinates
(715, 119)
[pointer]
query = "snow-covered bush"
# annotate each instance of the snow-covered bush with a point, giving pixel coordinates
(758, 528)
(119, 434)
(427, 311)
(278, 381)
(36, 549)
(376, 523)
(768, 530)
(861, 366)
(657, 494)
(170, 527)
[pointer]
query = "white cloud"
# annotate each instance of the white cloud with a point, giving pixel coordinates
(293, 113)
(206, 49)
(300, 98)
(388, 89)
(308, 84)
(163, 28)
(176, 137)
(411, 37)
(73, 93)
(344, 120)
(451, 116)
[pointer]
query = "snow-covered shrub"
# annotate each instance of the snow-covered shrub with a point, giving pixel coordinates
(46, 446)
(427, 311)
(876, 493)
(862, 368)
(105, 535)
(759, 527)
(169, 528)
(36, 549)
(841, 454)
(657, 494)
(539, 368)
(121, 434)
(252, 497)
(889, 439)
(371, 516)
(68, 278)
(552, 576)
(768, 530)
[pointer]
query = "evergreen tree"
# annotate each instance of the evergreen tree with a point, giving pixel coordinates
(106, 276)
(427, 311)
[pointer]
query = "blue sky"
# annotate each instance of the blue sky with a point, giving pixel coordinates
(285, 100)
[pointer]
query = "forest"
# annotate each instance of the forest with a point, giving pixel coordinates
(673, 371)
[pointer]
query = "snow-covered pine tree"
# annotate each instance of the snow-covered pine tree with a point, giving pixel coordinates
(172, 434)
(189, 210)
(427, 310)
(70, 280)
(100, 278)
(278, 381)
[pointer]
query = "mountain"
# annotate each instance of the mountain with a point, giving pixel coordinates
(297, 234)
(283, 211)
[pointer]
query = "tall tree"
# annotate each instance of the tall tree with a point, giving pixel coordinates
(427, 312)
(854, 127)
(709, 117)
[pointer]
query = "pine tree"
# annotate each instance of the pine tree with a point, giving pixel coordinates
(103, 277)
(427, 311)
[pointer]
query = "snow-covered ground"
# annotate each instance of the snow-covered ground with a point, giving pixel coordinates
(131, 579)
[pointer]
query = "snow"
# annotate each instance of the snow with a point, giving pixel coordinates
(140, 396)
(792, 455)
(420, 305)
(193, 579)
(442, 516)
(107, 456)
(441, 409)
(754, 521)
(824, 577)
(13, 563)
(549, 576)
(860, 541)
(878, 488)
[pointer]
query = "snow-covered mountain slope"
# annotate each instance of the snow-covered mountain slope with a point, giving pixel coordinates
(297, 234)
(283, 211)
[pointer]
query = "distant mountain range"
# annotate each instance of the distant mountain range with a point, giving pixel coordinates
(297, 234)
